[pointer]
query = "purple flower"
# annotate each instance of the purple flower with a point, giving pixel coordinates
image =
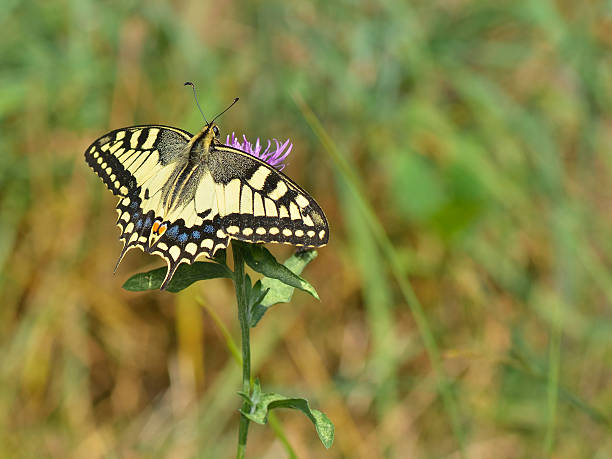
(273, 156)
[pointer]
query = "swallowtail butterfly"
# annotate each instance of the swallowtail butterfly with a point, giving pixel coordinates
(182, 195)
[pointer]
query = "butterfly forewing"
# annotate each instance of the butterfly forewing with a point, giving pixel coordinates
(125, 158)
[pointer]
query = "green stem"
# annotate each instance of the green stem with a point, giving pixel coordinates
(239, 284)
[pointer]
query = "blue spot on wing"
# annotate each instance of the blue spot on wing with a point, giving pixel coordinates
(208, 229)
(173, 231)
(134, 204)
(196, 234)
(183, 237)
(138, 224)
(147, 222)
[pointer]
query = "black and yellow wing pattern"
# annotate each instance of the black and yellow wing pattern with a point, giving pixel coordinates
(182, 195)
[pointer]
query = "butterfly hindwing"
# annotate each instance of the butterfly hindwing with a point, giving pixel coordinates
(258, 203)
(178, 243)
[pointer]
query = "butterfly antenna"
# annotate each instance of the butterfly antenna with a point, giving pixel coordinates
(230, 106)
(195, 96)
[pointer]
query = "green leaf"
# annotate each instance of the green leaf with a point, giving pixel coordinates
(262, 261)
(262, 402)
(255, 296)
(184, 276)
(220, 257)
(277, 291)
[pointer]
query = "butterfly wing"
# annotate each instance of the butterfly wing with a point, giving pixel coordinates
(135, 163)
(258, 203)
(126, 158)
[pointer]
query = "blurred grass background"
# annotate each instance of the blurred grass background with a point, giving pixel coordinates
(479, 133)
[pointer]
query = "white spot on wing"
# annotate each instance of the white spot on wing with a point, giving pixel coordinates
(301, 200)
(191, 248)
(259, 177)
(294, 211)
(151, 138)
(174, 252)
(279, 191)
(134, 138)
(307, 220)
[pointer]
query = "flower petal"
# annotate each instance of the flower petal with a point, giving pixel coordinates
(273, 156)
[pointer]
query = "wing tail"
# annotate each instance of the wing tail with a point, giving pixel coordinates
(172, 267)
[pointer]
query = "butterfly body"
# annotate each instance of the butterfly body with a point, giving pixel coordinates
(182, 196)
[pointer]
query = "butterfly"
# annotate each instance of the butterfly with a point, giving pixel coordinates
(182, 196)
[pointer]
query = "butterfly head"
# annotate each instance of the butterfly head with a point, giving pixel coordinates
(210, 134)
